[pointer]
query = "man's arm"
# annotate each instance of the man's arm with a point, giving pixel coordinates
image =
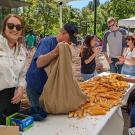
(44, 60)
(45, 52)
(104, 49)
(130, 80)
(124, 42)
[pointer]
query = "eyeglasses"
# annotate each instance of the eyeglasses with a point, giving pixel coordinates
(130, 38)
(111, 25)
(17, 26)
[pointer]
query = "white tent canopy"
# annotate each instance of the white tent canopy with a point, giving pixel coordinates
(130, 22)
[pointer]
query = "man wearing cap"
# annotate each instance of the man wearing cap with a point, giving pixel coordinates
(36, 77)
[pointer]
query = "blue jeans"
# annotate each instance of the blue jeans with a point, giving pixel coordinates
(132, 116)
(128, 70)
(36, 110)
(115, 68)
(33, 96)
(88, 76)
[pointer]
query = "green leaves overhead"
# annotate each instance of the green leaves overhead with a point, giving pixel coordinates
(43, 15)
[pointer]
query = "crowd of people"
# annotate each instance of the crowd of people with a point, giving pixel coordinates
(117, 47)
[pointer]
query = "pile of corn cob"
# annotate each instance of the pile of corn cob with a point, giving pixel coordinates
(103, 93)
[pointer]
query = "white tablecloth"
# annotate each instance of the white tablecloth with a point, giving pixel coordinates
(110, 124)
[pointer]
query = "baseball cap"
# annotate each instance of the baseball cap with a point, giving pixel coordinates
(72, 30)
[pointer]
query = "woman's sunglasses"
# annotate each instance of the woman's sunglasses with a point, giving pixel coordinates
(17, 26)
(130, 38)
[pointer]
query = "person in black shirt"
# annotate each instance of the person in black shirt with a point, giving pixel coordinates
(88, 53)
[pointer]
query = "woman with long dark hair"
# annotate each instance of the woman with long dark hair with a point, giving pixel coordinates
(88, 54)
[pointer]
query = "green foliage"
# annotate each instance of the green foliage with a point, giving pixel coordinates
(122, 8)
(43, 15)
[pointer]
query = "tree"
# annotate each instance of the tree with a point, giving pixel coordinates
(43, 15)
(121, 9)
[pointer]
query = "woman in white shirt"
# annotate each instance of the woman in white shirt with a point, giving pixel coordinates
(12, 65)
(129, 57)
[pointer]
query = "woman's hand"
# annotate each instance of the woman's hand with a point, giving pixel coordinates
(17, 95)
(96, 51)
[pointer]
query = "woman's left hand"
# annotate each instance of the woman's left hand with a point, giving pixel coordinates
(17, 95)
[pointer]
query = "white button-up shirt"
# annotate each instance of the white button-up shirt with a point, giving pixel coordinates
(129, 54)
(12, 65)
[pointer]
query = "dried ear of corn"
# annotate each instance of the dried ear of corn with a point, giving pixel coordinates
(97, 111)
(102, 94)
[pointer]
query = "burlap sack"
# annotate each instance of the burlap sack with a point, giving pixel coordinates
(61, 93)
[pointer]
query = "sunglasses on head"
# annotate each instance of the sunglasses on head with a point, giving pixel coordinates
(17, 26)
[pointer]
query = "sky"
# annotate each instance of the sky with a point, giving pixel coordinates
(82, 3)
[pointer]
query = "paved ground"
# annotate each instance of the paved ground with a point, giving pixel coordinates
(126, 122)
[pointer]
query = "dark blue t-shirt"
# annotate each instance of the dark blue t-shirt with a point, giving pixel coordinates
(90, 67)
(37, 77)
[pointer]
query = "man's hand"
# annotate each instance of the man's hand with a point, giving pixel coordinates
(121, 59)
(55, 51)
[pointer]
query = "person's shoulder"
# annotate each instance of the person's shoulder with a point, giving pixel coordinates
(133, 50)
(3, 40)
(127, 49)
(46, 41)
(107, 33)
(49, 38)
(122, 30)
(1, 36)
(23, 50)
(27, 35)
(33, 35)
(84, 49)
